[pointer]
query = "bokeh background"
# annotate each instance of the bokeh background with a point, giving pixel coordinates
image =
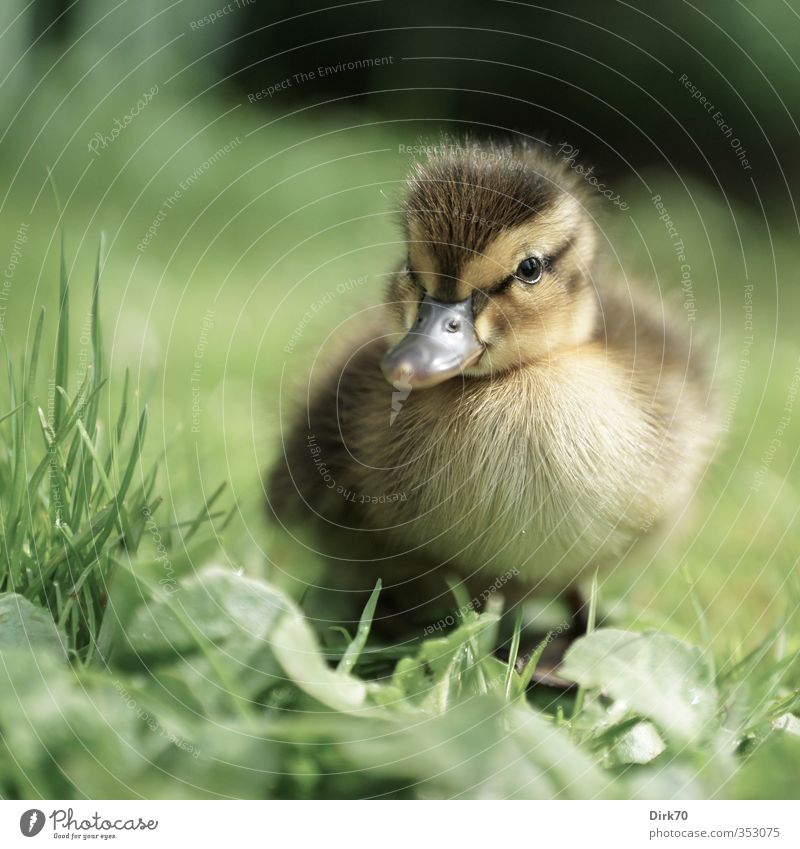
(244, 161)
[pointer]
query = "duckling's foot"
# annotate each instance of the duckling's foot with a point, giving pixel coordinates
(552, 655)
(546, 672)
(556, 644)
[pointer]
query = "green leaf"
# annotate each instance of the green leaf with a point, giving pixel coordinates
(225, 621)
(297, 651)
(638, 745)
(655, 674)
(484, 749)
(25, 625)
(218, 602)
(434, 678)
(788, 723)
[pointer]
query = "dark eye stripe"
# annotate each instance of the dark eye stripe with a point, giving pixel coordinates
(550, 260)
(501, 286)
(480, 297)
(547, 263)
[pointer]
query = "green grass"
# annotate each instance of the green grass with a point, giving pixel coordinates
(214, 684)
(151, 637)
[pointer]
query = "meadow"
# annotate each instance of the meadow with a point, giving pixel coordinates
(152, 636)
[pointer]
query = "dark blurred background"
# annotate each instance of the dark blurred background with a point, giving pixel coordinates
(605, 76)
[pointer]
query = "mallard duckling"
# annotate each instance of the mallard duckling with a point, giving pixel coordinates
(516, 418)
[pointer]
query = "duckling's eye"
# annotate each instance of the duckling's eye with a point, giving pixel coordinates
(530, 270)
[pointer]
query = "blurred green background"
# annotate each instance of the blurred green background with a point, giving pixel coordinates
(235, 203)
(304, 202)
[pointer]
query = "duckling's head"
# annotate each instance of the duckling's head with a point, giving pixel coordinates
(501, 247)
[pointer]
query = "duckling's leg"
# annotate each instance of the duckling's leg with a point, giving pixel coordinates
(579, 610)
(546, 672)
(556, 643)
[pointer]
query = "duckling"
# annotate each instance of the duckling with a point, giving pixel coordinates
(517, 417)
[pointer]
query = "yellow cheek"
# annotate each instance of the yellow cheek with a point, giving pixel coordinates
(410, 312)
(499, 317)
(403, 301)
(485, 326)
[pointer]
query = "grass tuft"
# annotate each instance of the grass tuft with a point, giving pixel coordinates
(63, 520)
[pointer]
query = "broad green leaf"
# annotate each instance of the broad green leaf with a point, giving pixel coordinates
(25, 625)
(227, 620)
(484, 749)
(657, 675)
(218, 604)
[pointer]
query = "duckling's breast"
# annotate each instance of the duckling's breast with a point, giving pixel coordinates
(543, 472)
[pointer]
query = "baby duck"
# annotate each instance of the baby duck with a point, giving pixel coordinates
(517, 418)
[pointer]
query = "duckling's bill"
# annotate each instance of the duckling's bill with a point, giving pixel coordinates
(440, 345)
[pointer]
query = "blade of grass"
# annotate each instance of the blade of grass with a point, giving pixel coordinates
(11, 412)
(136, 452)
(117, 515)
(488, 637)
(353, 652)
(62, 338)
(75, 405)
(177, 526)
(59, 484)
(105, 634)
(228, 518)
(81, 540)
(702, 622)
(204, 513)
(471, 650)
(82, 501)
(97, 346)
(91, 621)
(44, 463)
(16, 506)
(77, 588)
(33, 361)
(123, 410)
(52, 180)
(109, 490)
(513, 653)
(533, 661)
(461, 597)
